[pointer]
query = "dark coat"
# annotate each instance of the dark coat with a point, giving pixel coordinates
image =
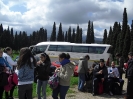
(97, 68)
(42, 71)
(121, 64)
(130, 69)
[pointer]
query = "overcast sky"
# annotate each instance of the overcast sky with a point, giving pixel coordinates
(30, 15)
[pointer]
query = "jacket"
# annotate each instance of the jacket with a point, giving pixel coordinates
(99, 76)
(115, 70)
(42, 71)
(25, 74)
(65, 74)
(9, 59)
(83, 65)
(130, 69)
(3, 62)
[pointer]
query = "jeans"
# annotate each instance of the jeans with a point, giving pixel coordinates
(60, 89)
(25, 89)
(42, 84)
(81, 81)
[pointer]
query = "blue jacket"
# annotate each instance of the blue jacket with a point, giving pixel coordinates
(25, 73)
(3, 62)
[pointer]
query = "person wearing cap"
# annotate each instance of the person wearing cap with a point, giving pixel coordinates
(130, 77)
(82, 70)
(100, 74)
(120, 63)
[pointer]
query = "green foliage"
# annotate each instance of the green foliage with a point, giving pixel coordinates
(66, 39)
(53, 35)
(73, 36)
(69, 35)
(59, 36)
(105, 36)
(77, 35)
(88, 37)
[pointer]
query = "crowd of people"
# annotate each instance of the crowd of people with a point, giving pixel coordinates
(30, 69)
(106, 79)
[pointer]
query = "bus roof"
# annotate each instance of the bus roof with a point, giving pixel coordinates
(68, 43)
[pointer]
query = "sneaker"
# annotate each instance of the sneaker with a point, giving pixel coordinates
(110, 93)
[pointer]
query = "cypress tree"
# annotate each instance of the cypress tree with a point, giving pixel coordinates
(88, 38)
(73, 36)
(110, 36)
(69, 34)
(92, 34)
(66, 37)
(53, 34)
(124, 29)
(132, 31)
(59, 36)
(80, 36)
(45, 35)
(126, 46)
(105, 36)
(77, 34)
(62, 36)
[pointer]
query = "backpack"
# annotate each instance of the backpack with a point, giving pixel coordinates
(12, 80)
(116, 89)
(53, 81)
(10, 84)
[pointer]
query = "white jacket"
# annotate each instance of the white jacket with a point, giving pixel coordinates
(9, 59)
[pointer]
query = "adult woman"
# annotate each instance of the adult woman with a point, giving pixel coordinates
(25, 71)
(3, 65)
(7, 56)
(64, 73)
(42, 73)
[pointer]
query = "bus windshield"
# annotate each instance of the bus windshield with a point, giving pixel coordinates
(39, 49)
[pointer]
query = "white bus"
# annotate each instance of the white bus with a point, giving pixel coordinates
(95, 51)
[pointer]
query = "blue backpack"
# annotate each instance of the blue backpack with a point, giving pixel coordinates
(53, 81)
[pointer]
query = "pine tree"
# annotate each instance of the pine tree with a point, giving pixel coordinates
(88, 38)
(132, 31)
(45, 35)
(53, 35)
(105, 36)
(59, 36)
(69, 34)
(126, 46)
(124, 29)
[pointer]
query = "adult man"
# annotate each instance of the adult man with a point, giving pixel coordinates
(82, 69)
(113, 75)
(130, 76)
(100, 74)
(120, 63)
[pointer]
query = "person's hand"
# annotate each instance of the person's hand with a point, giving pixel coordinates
(39, 63)
(102, 79)
(100, 72)
(57, 70)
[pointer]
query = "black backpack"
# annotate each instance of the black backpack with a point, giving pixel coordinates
(116, 89)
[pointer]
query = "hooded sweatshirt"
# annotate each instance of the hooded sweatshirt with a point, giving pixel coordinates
(65, 73)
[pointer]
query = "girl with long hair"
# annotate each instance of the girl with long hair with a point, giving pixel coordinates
(42, 73)
(25, 71)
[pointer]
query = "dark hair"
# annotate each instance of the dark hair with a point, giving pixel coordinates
(47, 57)
(25, 58)
(63, 55)
(130, 53)
(118, 55)
(7, 49)
(87, 56)
(101, 60)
